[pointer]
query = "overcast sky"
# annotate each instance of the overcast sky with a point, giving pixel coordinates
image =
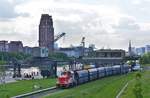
(105, 23)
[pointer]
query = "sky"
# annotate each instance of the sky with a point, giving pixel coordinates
(105, 23)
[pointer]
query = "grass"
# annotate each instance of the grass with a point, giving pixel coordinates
(145, 65)
(24, 86)
(145, 80)
(2, 62)
(104, 88)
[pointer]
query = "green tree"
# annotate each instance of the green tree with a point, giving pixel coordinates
(145, 59)
(6, 56)
(58, 56)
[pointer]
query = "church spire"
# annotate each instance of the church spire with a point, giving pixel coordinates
(130, 48)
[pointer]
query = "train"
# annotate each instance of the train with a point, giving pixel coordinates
(77, 77)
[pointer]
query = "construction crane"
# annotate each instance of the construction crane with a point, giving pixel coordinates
(83, 45)
(59, 36)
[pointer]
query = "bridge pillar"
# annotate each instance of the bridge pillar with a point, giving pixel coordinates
(17, 70)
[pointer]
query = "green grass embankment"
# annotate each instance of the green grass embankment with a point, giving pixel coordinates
(24, 86)
(145, 65)
(2, 62)
(145, 86)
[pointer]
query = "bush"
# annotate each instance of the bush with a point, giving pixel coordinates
(137, 90)
(138, 75)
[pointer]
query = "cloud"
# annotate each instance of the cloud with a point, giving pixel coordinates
(128, 29)
(127, 24)
(7, 10)
(74, 18)
(104, 23)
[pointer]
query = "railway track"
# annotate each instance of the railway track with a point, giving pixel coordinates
(39, 93)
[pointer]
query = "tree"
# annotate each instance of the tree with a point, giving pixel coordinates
(145, 59)
(7, 56)
(58, 56)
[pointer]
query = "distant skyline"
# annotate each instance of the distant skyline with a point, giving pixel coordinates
(105, 23)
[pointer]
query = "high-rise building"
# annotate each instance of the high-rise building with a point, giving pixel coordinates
(4, 46)
(140, 51)
(46, 32)
(15, 46)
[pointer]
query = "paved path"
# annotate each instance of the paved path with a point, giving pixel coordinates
(146, 68)
(123, 89)
(8, 79)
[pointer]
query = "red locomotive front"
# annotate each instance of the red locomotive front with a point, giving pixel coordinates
(65, 80)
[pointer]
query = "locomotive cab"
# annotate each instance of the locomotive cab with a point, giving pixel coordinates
(66, 79)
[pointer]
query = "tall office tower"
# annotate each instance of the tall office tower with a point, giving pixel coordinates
(46, 32)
